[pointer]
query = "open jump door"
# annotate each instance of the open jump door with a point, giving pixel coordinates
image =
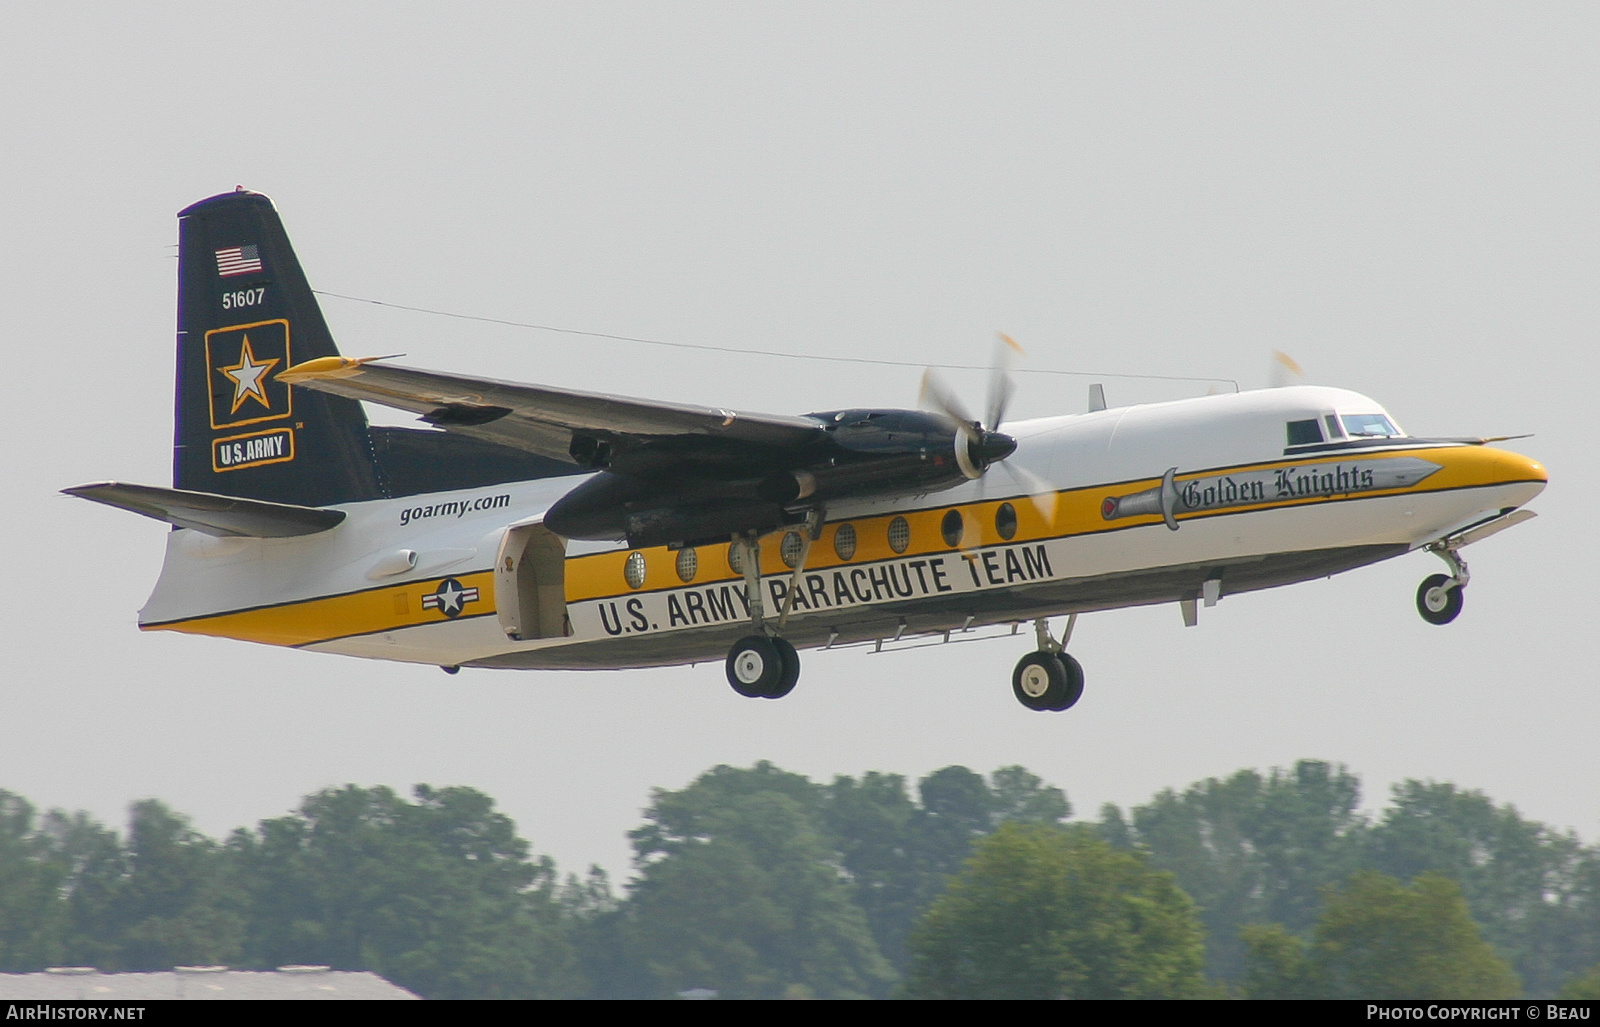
(530, 584)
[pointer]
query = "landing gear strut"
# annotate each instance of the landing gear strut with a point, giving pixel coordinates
(1439, 598)
(1048, 679)
(762, 665)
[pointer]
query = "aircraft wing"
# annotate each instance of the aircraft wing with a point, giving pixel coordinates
(561, 423)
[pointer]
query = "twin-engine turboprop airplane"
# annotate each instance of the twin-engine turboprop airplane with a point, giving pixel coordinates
(532, 527)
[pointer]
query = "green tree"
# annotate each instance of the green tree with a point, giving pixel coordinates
(739, 890)
(593, 915)
(179, 903)
(1523, 882)
(438, 895)
(164, 899)
(899, 855)
(1579, 937)
(1584, 986)
(33, 915)
(1252, 848)
(1277, 965)
(1380, 939)
(957, 809)
(94, 864)
(1021, 795)
(872, 824)
(1046, 912)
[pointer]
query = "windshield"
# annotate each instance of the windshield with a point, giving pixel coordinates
(1368, 425)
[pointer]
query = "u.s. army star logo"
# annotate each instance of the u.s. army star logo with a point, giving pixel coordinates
(242, 361)
(248, 377)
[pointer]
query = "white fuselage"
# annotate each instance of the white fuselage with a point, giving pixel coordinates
(433, 579)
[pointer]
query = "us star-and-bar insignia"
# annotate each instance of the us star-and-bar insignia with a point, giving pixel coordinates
(450, 598)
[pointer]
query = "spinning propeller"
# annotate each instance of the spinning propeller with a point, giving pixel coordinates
(978, 445)
(1282, 371)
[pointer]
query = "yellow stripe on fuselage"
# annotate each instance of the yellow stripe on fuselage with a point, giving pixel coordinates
(369, 611)
(1077, 512)
(600, 575)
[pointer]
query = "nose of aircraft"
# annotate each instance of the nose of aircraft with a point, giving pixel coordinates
(1516, 467)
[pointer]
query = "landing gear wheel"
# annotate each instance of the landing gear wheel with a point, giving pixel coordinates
(756, 667)
(1074, 689)
(1438, 601)
(1040, 681)
(791, 669)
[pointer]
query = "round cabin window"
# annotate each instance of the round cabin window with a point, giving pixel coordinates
(951, 528)
(688, 563)
(790, 548)
(844, 541)
(1005, 521)
(633, 570)
(736, 558)
(899, 535)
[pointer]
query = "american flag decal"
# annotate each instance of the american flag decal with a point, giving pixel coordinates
(239, 260)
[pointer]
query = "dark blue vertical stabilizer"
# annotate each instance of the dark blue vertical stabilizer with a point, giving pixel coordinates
(246, 314)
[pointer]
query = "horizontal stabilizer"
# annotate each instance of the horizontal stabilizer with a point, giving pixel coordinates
(222, 516)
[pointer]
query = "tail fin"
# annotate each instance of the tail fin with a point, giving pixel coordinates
(245, 314)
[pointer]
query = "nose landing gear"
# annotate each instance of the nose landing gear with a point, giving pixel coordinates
(1439, 598)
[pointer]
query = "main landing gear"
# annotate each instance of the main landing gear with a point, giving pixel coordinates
(1439, 598)
(763, 668)
(1048, 679)
(762, 665)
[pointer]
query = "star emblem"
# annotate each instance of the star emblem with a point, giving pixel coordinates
(450, 598)
(249, 377)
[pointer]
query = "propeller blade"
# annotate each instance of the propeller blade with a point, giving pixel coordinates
(1006, 352)
(1283, 371)
(1040, 493)
(936, 396)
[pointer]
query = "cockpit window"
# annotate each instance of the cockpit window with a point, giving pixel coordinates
(1369, 426)
(1332, 421)
(1304, 433)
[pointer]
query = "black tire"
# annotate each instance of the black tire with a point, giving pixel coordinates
(755, 666)
(1040, 681)
(791, 669)
(1437, 604)
(1074, 690)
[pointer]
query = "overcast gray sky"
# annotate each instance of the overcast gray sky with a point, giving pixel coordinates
(1401, 196)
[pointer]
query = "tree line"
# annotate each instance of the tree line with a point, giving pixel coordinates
(761, 883)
